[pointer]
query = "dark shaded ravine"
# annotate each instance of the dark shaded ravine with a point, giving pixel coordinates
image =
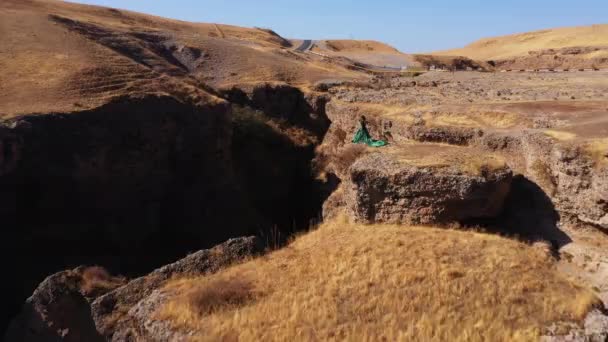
(139, 183)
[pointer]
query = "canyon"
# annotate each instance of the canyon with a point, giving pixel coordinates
(131, 145)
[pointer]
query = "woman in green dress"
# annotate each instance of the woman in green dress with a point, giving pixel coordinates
(363, 137)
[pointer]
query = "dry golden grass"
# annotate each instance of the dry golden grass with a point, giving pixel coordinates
(543, 176)
(560, 135)
(346, 157)
(520, 44)
(437, 156)
(500, 119)
(476, 119)
(359, 45)
(364, 51)
(598, 150)
(482, 164)
(401, 113)
(48, 67)
(472, 117)
(451, 120)
(382, 282)
(97, 280)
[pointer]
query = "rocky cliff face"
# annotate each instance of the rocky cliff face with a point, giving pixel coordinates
(574, 58)
(127, 185)
(139, 182)
(62, 309)
(382, 189)
(566, 173)
(144, 163)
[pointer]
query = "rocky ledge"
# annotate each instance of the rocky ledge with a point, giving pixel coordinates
(86, 304)
(422, 183)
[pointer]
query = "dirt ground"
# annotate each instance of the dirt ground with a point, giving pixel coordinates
(570, 108)
(575, 103)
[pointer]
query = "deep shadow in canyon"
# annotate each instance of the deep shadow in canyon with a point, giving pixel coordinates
(528, 214)
(139, 183)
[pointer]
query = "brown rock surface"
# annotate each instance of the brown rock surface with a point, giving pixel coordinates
(112, 312)
(528, 118)
(77, 306)
(59, 309)
(418, 184)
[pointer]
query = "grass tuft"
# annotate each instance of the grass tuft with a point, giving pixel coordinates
(97, 280)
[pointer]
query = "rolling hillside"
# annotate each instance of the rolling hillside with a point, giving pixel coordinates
(364, 51)
(520, 44)
(59, 56)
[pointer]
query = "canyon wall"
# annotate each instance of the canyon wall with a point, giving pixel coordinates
(140, 182)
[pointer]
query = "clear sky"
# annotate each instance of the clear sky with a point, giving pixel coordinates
(411, 26)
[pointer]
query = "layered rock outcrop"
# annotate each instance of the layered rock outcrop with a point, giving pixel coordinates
(572, 174)
(61, 308)
(388, 187)
(58, 310)
(581, 184)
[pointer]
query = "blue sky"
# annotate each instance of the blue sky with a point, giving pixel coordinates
(411, 26)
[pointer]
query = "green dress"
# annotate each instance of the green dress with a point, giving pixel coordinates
(362, 137)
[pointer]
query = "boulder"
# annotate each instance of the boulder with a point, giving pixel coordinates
(427, 184)
(112, 312)
(148, 327)
(76, 306)
(581, 184)
(59, 308)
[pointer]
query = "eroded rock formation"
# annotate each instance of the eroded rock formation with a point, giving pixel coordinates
(383, 189)
(61, 309)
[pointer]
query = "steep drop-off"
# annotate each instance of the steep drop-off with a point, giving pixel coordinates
(140, 182)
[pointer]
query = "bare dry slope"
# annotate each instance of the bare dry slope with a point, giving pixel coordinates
(520, 44)
(58, 56)
(364, 51)
(345, 45)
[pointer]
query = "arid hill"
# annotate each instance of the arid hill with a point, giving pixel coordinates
(569, 47)
(358, 46)
(58, 56)
(364, 51)
(516, 45)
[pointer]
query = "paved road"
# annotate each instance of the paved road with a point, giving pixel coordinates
(306, 45)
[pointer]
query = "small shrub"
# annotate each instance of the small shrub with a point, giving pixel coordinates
(97, 280)
(332, 156)
(343, 160)
(543, 174)
(217, 294)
